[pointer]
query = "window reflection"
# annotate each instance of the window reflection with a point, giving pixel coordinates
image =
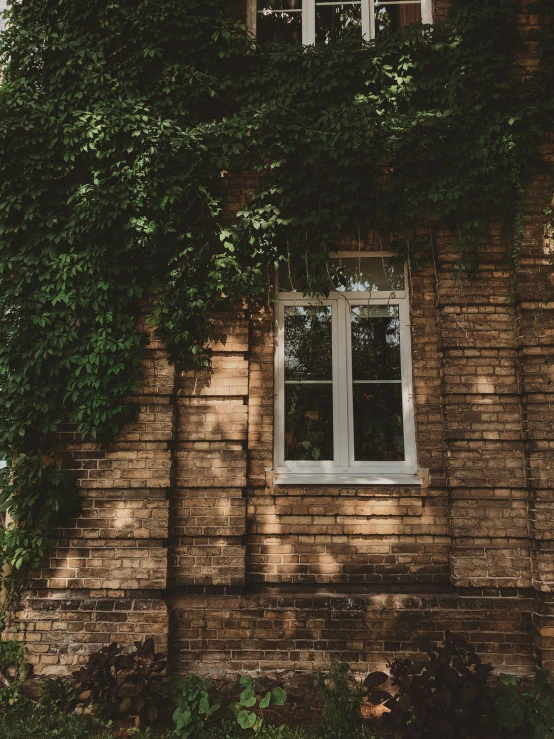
(390, 16)
(338, 22)
(279, 21)
(376, 384)
(351, 274)
(308, 383)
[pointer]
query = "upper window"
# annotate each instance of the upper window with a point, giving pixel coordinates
(343, 378)
(325, 21)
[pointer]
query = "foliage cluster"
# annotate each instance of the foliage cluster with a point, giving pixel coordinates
(254, 718)
(13, 672)
(341, 699)
(445, 695)
(132, 684)
(124, 683)
(449, 694)
(193, 706)
(119, 125)
(58, 695)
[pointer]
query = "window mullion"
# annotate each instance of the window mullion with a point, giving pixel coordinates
(251, 16)
(308, 22)
(367, 8)
(407, 389)
(279, 424)
(343, 385)
(427, 11)
(371, 19)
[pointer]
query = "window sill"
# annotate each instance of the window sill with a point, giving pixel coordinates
(350, 479)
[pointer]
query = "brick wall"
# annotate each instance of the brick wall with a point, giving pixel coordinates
(107, 571)
(184, 535)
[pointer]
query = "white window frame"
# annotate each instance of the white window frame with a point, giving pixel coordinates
(344, 470)
(368, 16)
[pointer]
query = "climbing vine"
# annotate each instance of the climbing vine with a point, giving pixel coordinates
(122, 126)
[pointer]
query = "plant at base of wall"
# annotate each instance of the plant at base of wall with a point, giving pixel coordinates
(57, 695)
(254, 719)
(14, 670)
(525, 710)
(341, 696)
(193, 708)
(128, 684)
(449, 695)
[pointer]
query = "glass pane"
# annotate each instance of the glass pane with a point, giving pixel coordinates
(375, 343)
(367, 273)
(275, 26)
(378, 432)
(268, 5)
(309, 421)
(391, 17)
(354, 274)
(308, 343)
(338, 22)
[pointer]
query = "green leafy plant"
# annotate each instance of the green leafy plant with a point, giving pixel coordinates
(57, 694)
(193, 707)
(341, 697)
(39, 496)
(525, 711)
(249, 708)
(14, 670)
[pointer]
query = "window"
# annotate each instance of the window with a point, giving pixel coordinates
(324, 21)
(343, 401)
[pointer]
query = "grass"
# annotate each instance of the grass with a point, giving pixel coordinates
(30, 723)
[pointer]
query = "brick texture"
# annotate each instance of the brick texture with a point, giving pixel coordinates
(181, 518)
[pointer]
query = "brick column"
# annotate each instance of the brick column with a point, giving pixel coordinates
(535, 337)
(208, 504)
(485, 459)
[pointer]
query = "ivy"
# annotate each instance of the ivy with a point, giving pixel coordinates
(122, 123)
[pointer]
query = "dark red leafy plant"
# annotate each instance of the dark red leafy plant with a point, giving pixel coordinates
(120, 683)
(445, 695)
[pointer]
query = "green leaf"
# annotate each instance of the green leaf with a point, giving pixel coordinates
(246, 719)
(247, 698)
(509, 713)
(507, 679)
(266, 700)
(278, 696)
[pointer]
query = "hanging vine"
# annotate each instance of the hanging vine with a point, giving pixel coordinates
(120, 123)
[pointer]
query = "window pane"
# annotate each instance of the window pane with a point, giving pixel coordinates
(275, 25)
(308, 383)
(378, 430)
(309, 421)
(392, 16)
(367, 273)
(375, 343)
(352, 273)
(308, 343)
(266, 6)
(338, 22)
